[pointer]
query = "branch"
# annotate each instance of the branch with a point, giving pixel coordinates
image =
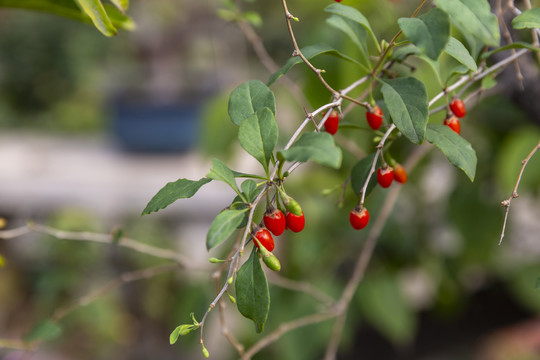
(89, 298)
(366, 253)
(98, 238)
(285, 328)
(301, 286)
(506, 203)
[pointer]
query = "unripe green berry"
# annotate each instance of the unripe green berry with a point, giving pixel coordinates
(272, 262)
(292, 206)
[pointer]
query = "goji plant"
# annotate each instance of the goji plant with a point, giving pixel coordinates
(399, 107)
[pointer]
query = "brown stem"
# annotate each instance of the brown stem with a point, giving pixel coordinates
(506, 203)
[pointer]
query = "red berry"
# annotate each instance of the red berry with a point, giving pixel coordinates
(458, 108)
(359, 218)
(337, 0)
(385, 176)
(453, 123)
(274, 220)
(295, 223)
(332, 122)
(265, 238)
(375, 118)
(400, 174)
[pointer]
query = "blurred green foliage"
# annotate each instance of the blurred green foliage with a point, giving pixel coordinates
(50, 77)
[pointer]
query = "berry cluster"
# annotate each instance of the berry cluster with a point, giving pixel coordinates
(457, 107)
(276, 222)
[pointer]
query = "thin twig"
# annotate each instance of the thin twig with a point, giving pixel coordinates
(374, 163)
(506, 203)
(98, 238)
(121, 280)
(366, 253)
(15, 344)
(301, 286)
(89, 298)
(267, 61)
(286, 327)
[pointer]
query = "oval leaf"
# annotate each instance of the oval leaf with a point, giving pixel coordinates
(429, 32)
(121, 5)
(223, 226)
(249, 98)
(458, 51)
(319, 147)
(95, 10)
(221, 172)
(310, 52)
(348, 12)
(457, 150)
(258, 135)
(180, 331)
(407, 102)
(70, 10)
(252, 294)
(360, 172)
(529, 19)
(355, 32)
(180, 189)
(474, 18)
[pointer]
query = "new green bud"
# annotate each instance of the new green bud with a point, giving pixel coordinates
(205, 352)
(180, 331)
(272, 262)
(292, 206)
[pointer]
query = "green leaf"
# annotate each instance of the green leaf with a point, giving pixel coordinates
(407, 102)
(433, 64)
(252, 294)
(121, 5)
(258, 135)
(310, 52)
(180, 189)
(473, 17)
(250, 190)
(529, 19)
(69, 9)
(95, 10)
(457, 150)
(253, 18)
(458, 51)
(45, 331)
(458, 70)
(514, 45)
(356, 33)
(383, 305)
(223, 226)
(348, 12)
(249, 98)
(319, 147)
(2, 261)
(401, 53)
(360, 172)
(180, 331)
(221, 172)
(429, 32)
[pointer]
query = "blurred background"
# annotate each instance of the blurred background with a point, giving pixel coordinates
(92, 127)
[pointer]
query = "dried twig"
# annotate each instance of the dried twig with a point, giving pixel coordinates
(506, 203)
(98, 238)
